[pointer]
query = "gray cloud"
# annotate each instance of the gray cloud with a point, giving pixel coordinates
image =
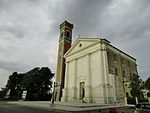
(29, 29)
(86, 15)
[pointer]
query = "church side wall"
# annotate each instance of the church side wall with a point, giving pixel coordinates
(122, 67)
(115, 69)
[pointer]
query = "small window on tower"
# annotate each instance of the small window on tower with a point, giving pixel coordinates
(62, 34)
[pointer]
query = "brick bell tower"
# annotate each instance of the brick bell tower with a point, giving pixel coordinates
(65, 40)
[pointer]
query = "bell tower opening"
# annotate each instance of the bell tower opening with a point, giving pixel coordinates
(65, 40)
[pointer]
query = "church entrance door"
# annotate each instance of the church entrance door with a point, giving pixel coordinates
(82, 90)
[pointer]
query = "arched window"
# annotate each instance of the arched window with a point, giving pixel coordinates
(68, 34)
(62, 34)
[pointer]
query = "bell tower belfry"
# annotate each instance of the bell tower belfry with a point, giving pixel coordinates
(65, 40)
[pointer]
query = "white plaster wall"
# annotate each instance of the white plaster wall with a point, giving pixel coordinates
(70, 73)
(95, 69)
(81, 67)
(81, 73)
(112, 91)
(97, 78)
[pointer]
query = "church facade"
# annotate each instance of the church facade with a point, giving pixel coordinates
(97, 72)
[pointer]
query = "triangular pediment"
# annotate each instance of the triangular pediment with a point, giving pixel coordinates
(81, 43)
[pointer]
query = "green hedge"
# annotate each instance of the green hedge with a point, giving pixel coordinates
(131, 100)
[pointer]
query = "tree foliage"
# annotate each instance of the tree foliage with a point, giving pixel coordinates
(14, 84)
(147, 83)
(37, 82)
(2, 93)
(135, 87)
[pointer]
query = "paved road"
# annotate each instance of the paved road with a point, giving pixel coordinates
(12, 108)
(22, 108)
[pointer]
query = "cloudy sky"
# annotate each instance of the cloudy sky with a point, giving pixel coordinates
(29, 30)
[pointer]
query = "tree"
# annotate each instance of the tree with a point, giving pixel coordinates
(45, 81)
(38, 83)
(147, 83)
(11, 84)
(2, 93)
(142, 84)
(29, 83)
(14, 84)
(135, 87)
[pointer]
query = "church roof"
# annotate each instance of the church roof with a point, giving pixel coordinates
(80, 44)
(83, 43)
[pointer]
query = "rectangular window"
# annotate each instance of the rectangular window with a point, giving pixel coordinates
(115, 57)
(128, 64)
(116, 71)
(127, 94)
(123, 74)
(130, 75)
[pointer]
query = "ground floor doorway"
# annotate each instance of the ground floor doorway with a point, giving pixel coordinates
(82, 90)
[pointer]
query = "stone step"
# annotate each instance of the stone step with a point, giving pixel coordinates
(75, 101)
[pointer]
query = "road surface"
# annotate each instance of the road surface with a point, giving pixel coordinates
(12, 108)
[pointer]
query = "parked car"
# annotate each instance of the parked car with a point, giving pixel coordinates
(142, 108)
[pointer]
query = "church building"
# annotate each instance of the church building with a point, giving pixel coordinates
(92, 70)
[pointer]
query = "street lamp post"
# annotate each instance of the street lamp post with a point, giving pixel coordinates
(53, 98)
(54, 92)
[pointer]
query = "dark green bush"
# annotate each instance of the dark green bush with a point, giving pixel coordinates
(142, 100)
(131, 100)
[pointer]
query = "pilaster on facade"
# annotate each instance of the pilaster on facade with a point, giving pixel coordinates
(64, 97)
(88, 87)
(75, 79)
(106, 73)
(66, 75)
(102, 77)
(65, 89)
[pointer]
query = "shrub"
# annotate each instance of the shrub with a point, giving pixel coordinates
(131, 100)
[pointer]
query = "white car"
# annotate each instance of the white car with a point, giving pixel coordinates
(142, 108)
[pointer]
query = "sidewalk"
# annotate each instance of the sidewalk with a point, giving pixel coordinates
(72, 107)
